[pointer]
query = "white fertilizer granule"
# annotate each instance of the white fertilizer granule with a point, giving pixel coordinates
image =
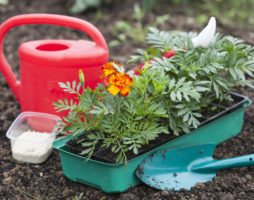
(32, 147)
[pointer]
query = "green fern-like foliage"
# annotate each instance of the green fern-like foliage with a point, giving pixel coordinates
(224, 64)
(196, 76)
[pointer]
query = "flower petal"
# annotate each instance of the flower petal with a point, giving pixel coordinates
(113, 90)
(109, 69)
(124, 91)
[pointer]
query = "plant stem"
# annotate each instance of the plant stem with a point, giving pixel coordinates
(30, 195)
(125, 157)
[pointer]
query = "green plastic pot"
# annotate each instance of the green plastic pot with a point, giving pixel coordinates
(113, 178)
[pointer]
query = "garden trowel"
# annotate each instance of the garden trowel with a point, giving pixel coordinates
(174, 169)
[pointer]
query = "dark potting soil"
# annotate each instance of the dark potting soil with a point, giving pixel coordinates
(24, 181)
(106, 155)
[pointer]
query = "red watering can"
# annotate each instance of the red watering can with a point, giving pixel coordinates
(44, 63)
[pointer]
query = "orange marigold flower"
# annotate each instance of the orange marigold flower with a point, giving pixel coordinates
(109, 68)
(120, 82)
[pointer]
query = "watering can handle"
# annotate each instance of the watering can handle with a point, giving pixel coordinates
(53, 19)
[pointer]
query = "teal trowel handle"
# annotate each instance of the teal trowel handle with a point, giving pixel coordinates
(215, 165)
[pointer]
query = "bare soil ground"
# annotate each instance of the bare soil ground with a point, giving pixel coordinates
(46, 181)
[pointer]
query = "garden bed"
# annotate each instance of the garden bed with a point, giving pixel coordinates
(46, 181)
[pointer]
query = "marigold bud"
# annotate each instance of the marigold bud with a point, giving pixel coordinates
(81, 76)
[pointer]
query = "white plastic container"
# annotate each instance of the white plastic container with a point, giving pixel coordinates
(31, 135)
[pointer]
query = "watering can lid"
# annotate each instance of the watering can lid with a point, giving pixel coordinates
(63, 52)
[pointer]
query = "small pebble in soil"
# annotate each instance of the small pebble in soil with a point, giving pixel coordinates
(248, 177)
(7, 181)
(199, 185)
(164, 193)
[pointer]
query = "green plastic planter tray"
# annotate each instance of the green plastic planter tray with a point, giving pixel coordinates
(113, 178)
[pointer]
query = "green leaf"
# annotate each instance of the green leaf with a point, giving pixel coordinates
(81, 5)
(180, 83)
(186, 117)
(74, 83)
(182, 112)
(232, 59)
(233, 73)
(173, 96)
(135, 150)
(87, 151)
(179, 96)
(87, 144)
(172, 83)
(197, 114)
(216, 89)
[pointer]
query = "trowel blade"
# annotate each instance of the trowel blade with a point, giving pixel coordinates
(170, 169)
